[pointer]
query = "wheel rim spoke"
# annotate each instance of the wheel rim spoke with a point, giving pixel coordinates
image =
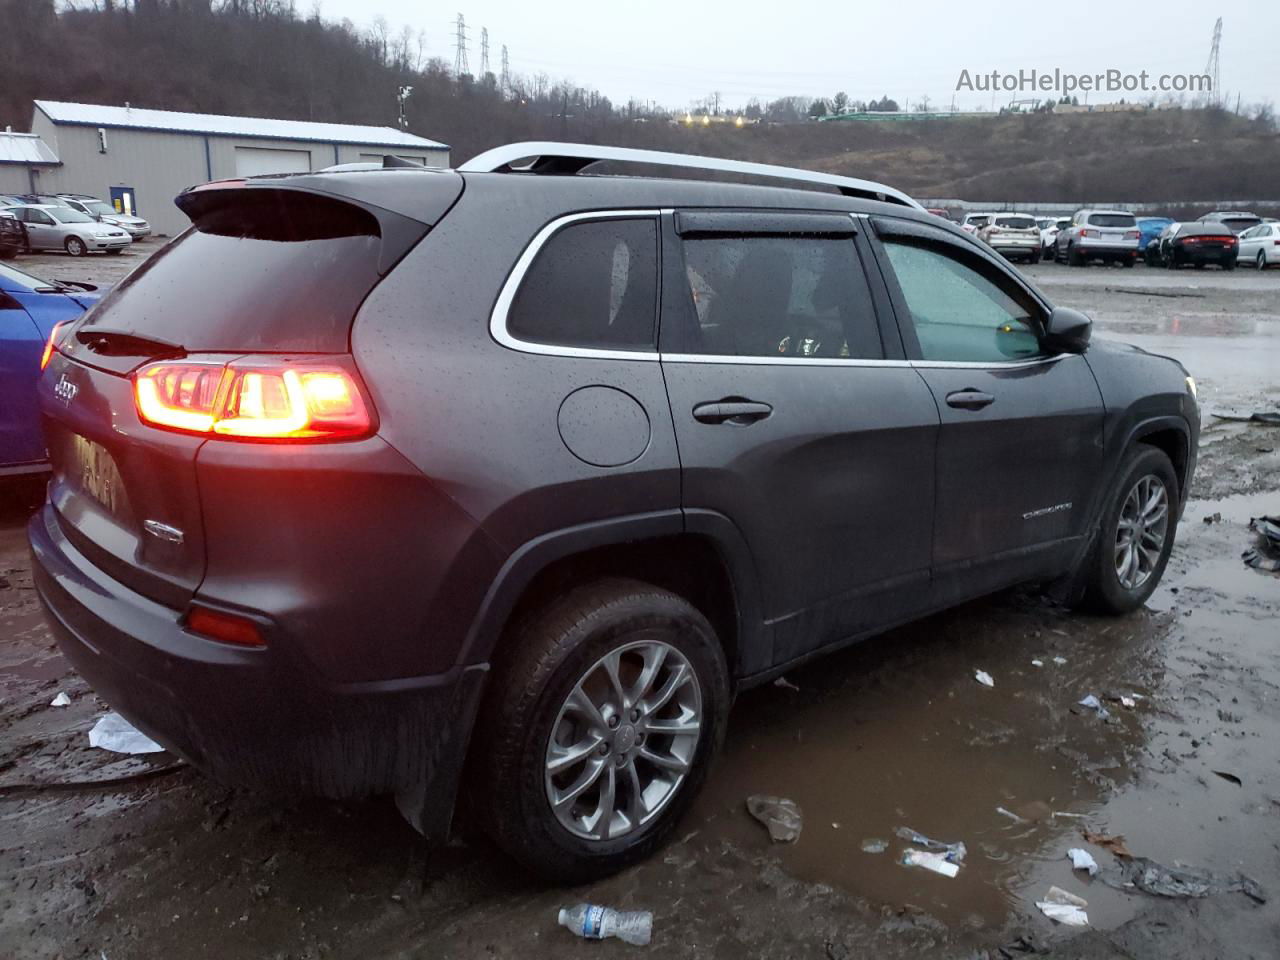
(623, 741)
(1140, 531)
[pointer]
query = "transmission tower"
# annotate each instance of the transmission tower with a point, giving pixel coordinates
(506, 72)
(460, 64)
(1213, 68)
(484, 51)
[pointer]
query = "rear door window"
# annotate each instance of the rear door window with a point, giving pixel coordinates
(777, 296)
(594, 284)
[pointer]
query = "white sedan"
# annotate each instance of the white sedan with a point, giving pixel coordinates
(1260, 245)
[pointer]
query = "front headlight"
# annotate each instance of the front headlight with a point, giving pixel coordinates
(1191, 386)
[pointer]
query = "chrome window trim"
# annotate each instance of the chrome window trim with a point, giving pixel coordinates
(721, 358)
(498, 318)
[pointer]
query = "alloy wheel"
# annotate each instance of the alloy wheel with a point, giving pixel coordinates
(623, 741)
(1141, 531)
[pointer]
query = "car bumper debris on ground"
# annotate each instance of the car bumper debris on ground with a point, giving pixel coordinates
(139, 856)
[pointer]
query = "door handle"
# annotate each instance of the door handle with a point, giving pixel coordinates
(969, 399)
(732, 410)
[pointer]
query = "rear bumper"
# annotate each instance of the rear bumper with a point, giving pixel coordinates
(256, 718)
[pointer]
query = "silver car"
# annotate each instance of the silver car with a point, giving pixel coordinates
(1106, 235)
(51, 227)
(104, 212)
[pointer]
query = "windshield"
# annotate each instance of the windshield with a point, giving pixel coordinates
(100, 207)
(1112, 220)
(21, 278)
(67, 215)
(1016, 223)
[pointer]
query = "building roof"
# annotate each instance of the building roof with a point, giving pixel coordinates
(92, 115)
(25, 148)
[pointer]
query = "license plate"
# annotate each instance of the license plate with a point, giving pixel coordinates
(94, 471)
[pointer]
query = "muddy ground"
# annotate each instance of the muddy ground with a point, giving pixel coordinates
(894, 732)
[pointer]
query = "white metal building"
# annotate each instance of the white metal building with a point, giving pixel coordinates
(140, 160)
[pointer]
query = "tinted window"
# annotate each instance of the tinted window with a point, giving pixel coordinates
(778, 296)
(1205, 229)
(270, 271)
(1016, 223)
(959, 313)
(593, 284)
(1112, 220)
(1240, 223)
(67, 215)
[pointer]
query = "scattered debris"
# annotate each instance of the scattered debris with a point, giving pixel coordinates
(1272, 419)
(780, 815)
(1115, 844)
(1226, 716)
(1010, 814)
(1060, 661)
(1255, 559)
(1063, 907)
(955, 852)
(937, 862)
(1083, 860)
(1128, 702)
(113, 732)
(1037, 663)
(1178, 882)
(593, 922)
(984, 678)
(1074, 816)
(874, 845)
(1093, 703)
(1268, 527)
(1213, 518)
(1229, 777)
(784, 684)
(61, 700)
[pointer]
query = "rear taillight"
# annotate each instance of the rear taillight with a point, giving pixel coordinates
(1090, 233)
(253, 398)
(49, 345)
(1132, 235)
(224, 627)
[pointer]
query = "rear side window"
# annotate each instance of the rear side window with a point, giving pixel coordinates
(778, 296)
(1112, 220)
(267, 272)
(593, 284)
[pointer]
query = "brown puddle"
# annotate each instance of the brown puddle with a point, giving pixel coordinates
(896, 732)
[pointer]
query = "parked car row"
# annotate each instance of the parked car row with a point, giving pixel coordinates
(1224, 238)
(74, 223)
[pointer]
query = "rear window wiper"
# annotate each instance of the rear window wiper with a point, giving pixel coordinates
(122, 343)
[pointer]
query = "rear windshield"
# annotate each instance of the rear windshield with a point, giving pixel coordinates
(1112, 220)
(1205, 229)
(1240, 224)
(1016, 223)
(978, 221)
(269, 270)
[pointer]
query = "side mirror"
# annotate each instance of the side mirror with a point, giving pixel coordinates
(1067, 331)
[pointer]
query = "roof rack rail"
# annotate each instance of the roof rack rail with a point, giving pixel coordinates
(570, 158)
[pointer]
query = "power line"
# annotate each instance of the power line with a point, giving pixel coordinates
(460, 64)
(484, 51)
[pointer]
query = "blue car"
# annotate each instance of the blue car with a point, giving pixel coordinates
(1149, 228)
(29, 308)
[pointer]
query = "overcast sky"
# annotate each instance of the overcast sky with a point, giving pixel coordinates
(678, 51)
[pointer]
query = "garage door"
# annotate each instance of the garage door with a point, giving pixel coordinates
(255, 161)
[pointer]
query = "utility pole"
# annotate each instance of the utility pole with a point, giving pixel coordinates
(1213, 67)
(506, 72)
(460, 64)
(402, 96)
(484, 51)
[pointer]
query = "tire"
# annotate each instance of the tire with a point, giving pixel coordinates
(1073, 257)
(1105, 591)
(1129, 261)
(1228, 265)
(1034, 258)
(75, 247)
(1262, 260)
(560, 651)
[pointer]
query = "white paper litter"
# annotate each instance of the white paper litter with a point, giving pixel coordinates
(1010, 814)
(1082, 860)
(113, 732)
(1064, 907)
(937, 862)
(1059, 660)
(984, 678)
(1037, 663)
(61, 700)
(1094, 704)
(1128, 702)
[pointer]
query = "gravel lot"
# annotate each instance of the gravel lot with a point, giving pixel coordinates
(893, 732)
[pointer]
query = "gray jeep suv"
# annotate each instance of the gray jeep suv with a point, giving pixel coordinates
(502, 481)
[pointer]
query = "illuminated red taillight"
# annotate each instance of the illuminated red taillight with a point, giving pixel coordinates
(253, 398)
(226, 627)
(48, 346)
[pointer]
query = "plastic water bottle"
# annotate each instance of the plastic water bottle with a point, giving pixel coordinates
(594, 922)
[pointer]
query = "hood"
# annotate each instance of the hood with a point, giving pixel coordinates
(121, 218)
